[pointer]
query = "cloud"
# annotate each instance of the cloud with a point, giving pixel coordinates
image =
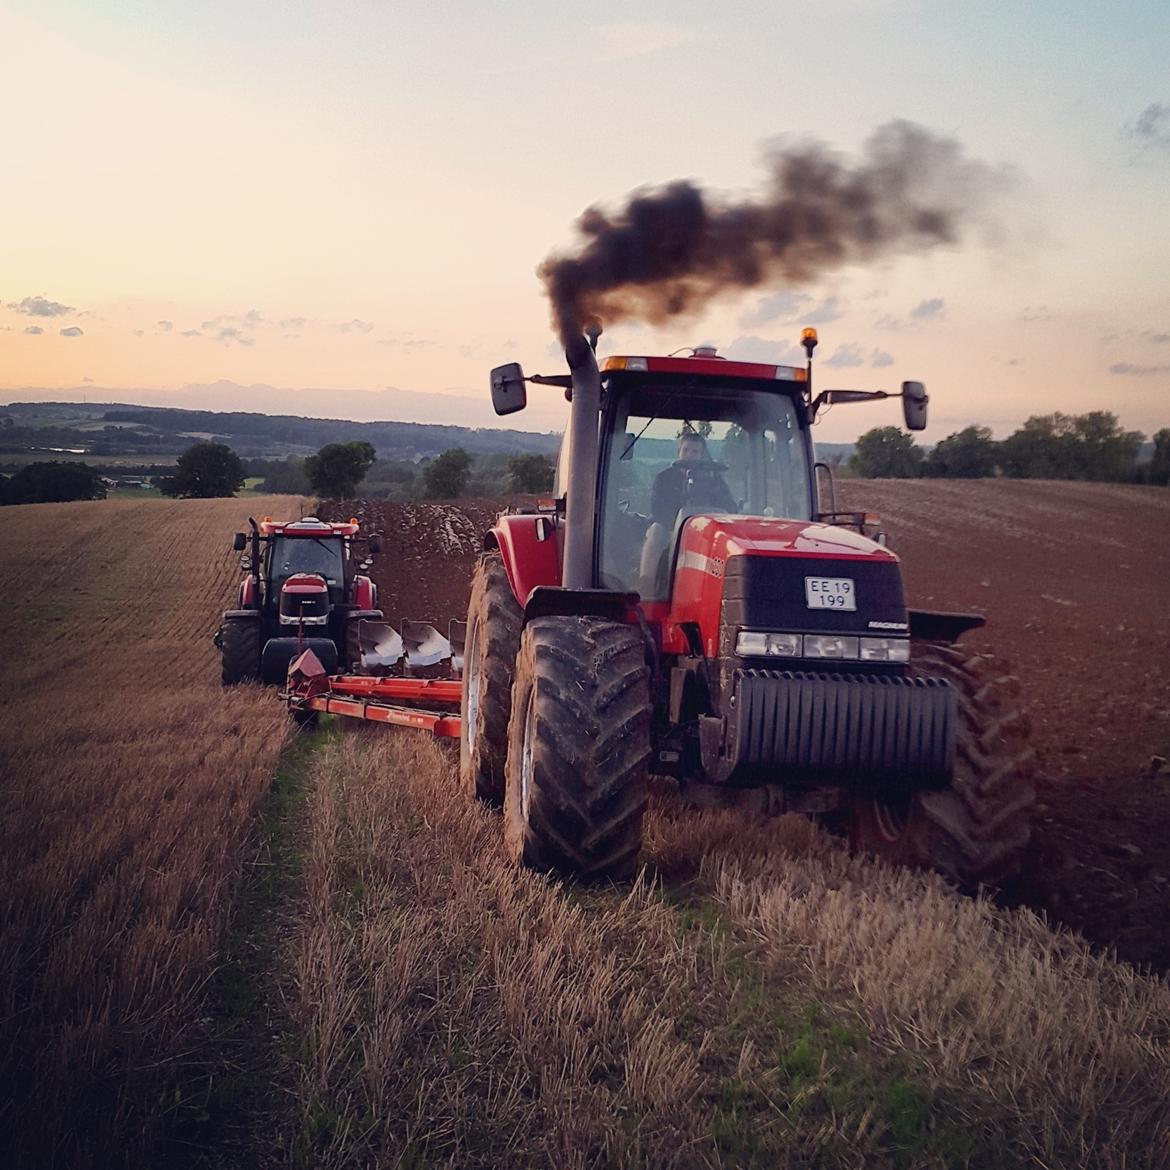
(409, 344)
(623, 39)
(229, 335)
(1151, 128)
(1036, 313)
(879, 359)
(191, 333)
(1129, 369)
(762, 349)
(291, 322)
(355, 326)
(1155, 338)
(931, 310)
(830, 309)
(781, 306)
(846, 356)
(40, 307)
(71, 331)
(33, 329)
(165, 326)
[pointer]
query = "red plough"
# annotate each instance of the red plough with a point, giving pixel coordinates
(401, 701)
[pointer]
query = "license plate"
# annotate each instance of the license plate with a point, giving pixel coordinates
(829, 593)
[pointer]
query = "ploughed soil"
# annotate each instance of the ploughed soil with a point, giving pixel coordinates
(1074, 580)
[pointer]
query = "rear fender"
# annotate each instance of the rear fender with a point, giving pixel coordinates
(247, 593)
(365, 593)
(529, 547)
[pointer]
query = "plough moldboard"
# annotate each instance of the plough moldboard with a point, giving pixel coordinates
(404, 698)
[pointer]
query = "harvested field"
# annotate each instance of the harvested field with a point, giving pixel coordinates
(784, 1005)
(757, 998)
(130, 785)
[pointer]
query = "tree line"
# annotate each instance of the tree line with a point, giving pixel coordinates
(1089, 446)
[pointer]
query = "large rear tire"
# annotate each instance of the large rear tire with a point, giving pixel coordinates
(976, 831)
(492, 640)
(578, 746)
(240, 650)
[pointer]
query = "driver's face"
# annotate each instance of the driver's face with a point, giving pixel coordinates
(690, 451)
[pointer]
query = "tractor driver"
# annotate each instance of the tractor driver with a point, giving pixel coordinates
(694, 482)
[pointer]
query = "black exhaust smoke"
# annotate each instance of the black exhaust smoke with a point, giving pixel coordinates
(669, 251)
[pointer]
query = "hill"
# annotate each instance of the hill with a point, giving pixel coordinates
(109, 429)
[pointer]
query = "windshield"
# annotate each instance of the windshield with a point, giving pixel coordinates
(306, 554)
(676, 451)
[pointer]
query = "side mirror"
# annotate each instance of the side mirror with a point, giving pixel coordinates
(375, 544)
(240, 542)
(914, 400)
(509, 394)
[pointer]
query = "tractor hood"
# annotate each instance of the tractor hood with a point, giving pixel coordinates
(730, 536)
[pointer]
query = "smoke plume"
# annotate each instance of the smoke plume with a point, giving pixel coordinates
(670, 250)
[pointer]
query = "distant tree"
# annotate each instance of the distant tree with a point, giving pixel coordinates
(1159, 470)
(530, 473)
(336, 470)
(445, 478)
(42, 483)
(286, 477)
(886, 453)
(967, 454)
(1065, 446)
(205, 471)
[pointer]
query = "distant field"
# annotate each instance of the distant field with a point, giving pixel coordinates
(379, 986)
(21, 459)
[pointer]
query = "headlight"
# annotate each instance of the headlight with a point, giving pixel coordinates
(829, 646)
(757, 644)
(885, 649)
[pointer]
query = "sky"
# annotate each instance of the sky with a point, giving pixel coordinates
(339, 209)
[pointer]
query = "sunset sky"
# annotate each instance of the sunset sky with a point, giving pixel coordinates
(326, 203)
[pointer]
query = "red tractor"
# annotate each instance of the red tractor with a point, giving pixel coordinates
(686, 608)
(301, 593)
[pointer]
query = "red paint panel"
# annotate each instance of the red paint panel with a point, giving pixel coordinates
(528, 559)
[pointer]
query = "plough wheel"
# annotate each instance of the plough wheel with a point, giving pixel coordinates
(578, 746)
(976, 831)
(492, 639)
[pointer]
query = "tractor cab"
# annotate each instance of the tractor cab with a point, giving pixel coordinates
(691, 436)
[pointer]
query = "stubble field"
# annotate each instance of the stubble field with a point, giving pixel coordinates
(758, 998)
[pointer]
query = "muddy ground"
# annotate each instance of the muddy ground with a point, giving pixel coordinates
(1074, 580)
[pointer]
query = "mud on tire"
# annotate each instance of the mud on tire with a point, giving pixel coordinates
(240, 650)
(578, 746)
(492, 640)
(976, 831)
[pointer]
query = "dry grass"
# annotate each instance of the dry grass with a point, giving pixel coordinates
(457, 1012)
(759, 998)
(1070, 1048)
(129, 784)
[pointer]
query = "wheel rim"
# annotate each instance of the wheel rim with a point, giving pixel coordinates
(890, 817)
(526, 754)
(471, 708)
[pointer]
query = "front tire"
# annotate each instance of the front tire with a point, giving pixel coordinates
(492, 640)
(240, 650)
(578, 746)
(976, 831)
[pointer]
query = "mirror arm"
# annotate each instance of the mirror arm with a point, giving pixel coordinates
(565, 381)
